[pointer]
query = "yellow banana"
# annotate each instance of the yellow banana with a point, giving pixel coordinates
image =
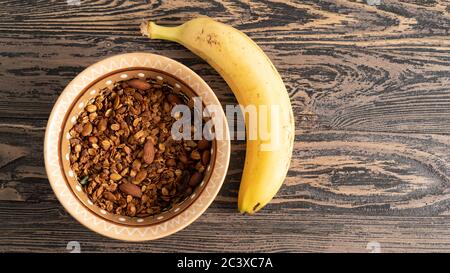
(254, 81)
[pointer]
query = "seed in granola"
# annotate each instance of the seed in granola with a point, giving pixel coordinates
(91, 108)
(123, 202)
(105, 144)
(93, 116)
(184, 159)
(139, 134)
(115, 127)
(195, 155)
(115, 176)
(124, 171)
(116, 103)
(109, 206)
(138, 96)
(199, 167)
(109, 112)
(99, 191)
(136, 165)
(78, 128)
(171, 162)
(131, 210)
(140, 176)
(84, 180)
(161, 147)
(166, 107)
(102, 124)
(87, 129)
(93, 139)
(191, 143)
(129, 198)
(136, 121)
(127, 150)
(112, 187)
(164, 191)
(154, 132)
(144, 198)
(77, 148)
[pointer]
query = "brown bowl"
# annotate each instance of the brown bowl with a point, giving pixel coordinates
(71, 103)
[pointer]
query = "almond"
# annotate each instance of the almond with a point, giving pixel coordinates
(174, 99)
(195, 179)
(203, 144)
(206, 155)
(130, 189)
(149, 152)
(109, 196)
(139, 84)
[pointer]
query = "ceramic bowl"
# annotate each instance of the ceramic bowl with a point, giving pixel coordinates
(84, 88)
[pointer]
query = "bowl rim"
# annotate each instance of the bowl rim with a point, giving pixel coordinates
(58, 118)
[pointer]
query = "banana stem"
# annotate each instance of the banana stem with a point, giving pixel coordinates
(155, 31)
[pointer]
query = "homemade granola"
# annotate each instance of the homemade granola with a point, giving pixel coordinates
(124, 156)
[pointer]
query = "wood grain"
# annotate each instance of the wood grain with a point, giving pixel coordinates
(369, 85)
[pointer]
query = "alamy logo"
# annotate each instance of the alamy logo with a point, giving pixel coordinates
(73, 247)
(74, 2)
(373, 2)
(262, 123)
(374, 247)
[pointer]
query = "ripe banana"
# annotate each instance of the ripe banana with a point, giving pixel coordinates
(254, 81)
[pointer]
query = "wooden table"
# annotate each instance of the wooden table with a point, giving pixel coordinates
(369, 83)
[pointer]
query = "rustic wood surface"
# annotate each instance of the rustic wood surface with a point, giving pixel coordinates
(369, 81)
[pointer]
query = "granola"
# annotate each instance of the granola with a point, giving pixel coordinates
(124, 156)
